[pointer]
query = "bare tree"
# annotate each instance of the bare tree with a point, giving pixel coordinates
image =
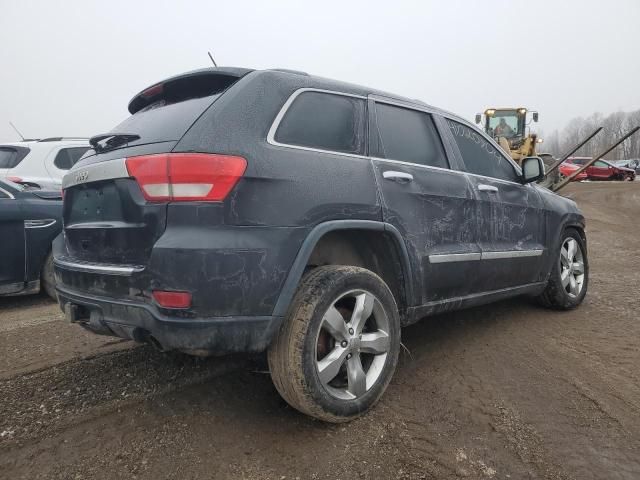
(615, 125)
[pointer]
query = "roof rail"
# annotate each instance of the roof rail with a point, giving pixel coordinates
(57, 139)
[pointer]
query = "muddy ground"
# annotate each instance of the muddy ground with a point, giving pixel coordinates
(502, 391)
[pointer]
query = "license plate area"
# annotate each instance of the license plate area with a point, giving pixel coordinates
(98, 202)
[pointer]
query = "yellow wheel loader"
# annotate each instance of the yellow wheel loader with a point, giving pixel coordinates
(509, 127)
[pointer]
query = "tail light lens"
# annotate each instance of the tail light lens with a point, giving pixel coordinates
(186, 177)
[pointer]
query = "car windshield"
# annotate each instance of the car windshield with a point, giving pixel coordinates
(504, 123)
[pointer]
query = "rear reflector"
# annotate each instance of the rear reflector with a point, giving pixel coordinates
(184, 177)
(168, 299)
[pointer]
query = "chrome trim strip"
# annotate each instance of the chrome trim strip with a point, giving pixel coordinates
(93, 268)
(276, 122)
(43, 223)
(409, 164)
(116, 168)
(468, 257)
(454, 257)
(9, 194)
(511, 254)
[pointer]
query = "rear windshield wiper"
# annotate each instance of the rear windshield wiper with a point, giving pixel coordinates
(109, 141)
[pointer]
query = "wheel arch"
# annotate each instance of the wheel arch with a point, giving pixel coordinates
(318, 236)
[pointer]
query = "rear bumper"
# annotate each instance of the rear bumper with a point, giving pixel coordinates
(145, 323)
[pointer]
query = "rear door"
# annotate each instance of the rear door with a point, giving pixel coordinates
(510, 215)
(12, 266)
(430, 203)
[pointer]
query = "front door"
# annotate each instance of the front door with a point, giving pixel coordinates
(510, 215)
(599, 170)
(12, 267)
(428, 202)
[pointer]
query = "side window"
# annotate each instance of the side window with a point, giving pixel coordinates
(409, 136)
(480, 157)
(3, 194)
(8, 158)
(600, 163)
(67, 157)
(324, 121)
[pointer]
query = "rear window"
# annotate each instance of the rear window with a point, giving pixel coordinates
(67, 157)
(12, 156)
(161, 122)
(324, 121)
(409, 136)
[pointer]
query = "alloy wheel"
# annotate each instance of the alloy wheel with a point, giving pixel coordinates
(352, 345)
(571, 267)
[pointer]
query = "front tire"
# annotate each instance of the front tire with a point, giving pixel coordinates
(569, 277)
(338, 346)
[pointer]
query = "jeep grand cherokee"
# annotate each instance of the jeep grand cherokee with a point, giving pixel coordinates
(243, 211)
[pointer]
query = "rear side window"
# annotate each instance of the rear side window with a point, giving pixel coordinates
(324, 121)
(480, 156)
(12, 156)
(409, 136)
(67, 157)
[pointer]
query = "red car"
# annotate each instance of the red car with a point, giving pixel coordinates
(601, 169)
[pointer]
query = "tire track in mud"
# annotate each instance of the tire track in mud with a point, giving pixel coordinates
(39, 403)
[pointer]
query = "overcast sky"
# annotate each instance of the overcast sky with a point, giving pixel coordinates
(70, 68)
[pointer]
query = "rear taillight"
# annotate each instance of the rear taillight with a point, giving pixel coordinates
(185, 177)
(171, 299)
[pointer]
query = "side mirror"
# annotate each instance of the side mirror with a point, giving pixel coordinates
(532, 169)
(535, 117)
(478, 118)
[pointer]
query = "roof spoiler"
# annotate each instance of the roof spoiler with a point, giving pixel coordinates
(195, 84)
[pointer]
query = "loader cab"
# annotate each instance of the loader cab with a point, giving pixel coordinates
(510, 123)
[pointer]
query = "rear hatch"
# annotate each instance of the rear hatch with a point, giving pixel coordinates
(110, 217)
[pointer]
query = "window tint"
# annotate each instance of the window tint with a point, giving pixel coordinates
(8, 158)
(409, 136)
(324, 121)
(67, 157)
(600, 163)
(480, 157)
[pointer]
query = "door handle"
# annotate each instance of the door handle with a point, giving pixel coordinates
(487, 188)
(400, 177)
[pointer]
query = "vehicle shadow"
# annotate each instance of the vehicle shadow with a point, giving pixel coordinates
(25, 301)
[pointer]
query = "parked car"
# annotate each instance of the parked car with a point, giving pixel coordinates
(29, 221)
(244, 211)
(633, 164)
(40, 163)
(603, 170)
(567, 169)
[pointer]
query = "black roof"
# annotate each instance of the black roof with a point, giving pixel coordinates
(141, 100)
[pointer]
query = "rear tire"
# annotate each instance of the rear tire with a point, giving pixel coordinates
(48, 278)
(569, 277)
(338, 347)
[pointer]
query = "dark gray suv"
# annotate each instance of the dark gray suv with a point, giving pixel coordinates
(243, 211)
